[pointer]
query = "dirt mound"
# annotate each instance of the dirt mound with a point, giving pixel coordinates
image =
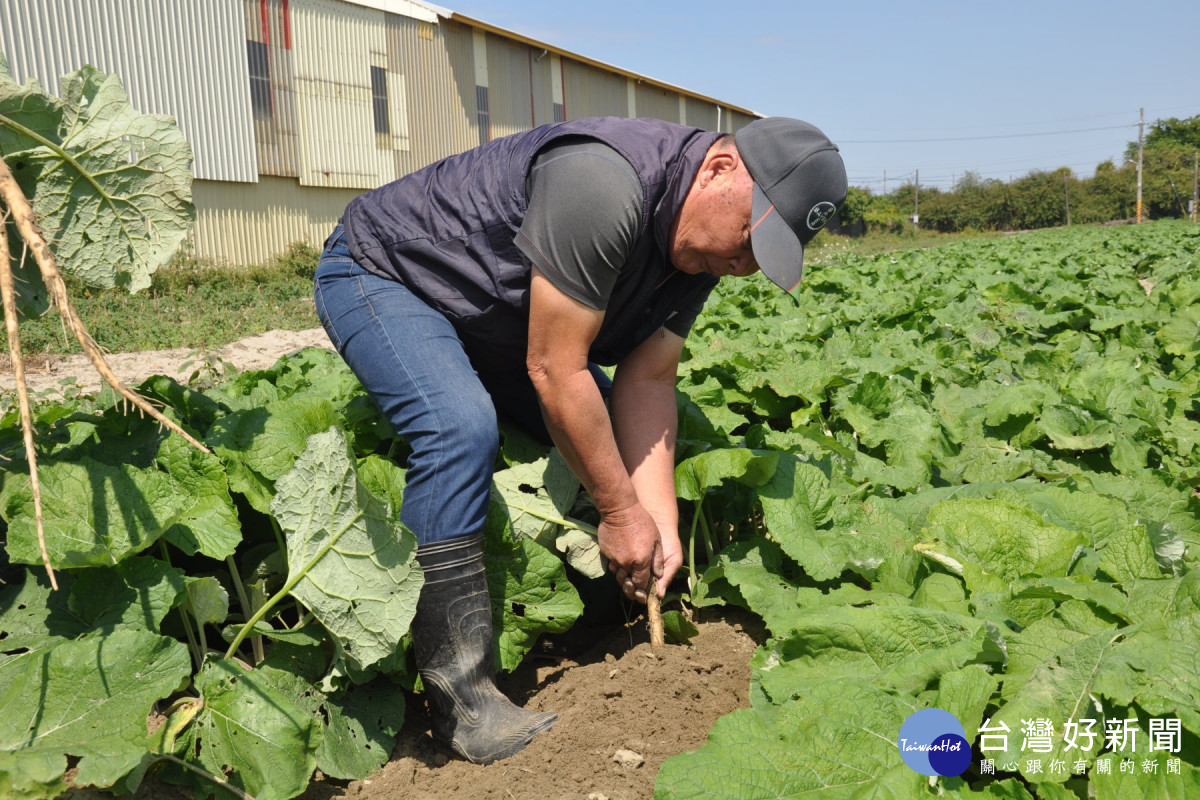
(622, 710)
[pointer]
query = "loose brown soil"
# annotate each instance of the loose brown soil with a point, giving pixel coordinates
(617, 696)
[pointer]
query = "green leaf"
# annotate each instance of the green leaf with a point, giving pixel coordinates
(1001, 539)
(538, 498)
(260, 444)
(94, 514)
(678, 629)
(92, 163)
(755, 567)
(138, 592)
(207, 600)
(530, 591)
(800, 749)
(250, 733)
(897, 646)
(360, 723)
(88, 699)
(1128, 555)
(347, 561)
(1071, 428)
(798, 504)
(1063, 688)
(696, 475)
(208, 523)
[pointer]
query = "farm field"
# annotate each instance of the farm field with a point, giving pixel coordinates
(961, 478)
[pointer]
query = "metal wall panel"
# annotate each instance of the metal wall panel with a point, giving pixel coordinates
(591, 92)
(701, 114)
(440, 87)
(334, 46)
(541, 73)
(654, 101)
(509, 86)
(736, 120)
(238, 223)
(268, 28)
(185, 58)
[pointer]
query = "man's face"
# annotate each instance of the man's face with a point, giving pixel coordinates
(712, 233)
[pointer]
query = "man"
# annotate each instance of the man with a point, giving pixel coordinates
(494, 281)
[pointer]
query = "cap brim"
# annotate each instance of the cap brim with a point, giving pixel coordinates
(777, 250)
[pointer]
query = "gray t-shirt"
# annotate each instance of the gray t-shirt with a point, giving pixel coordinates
(581, 223)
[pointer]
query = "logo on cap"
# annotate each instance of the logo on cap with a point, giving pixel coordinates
(819, 214)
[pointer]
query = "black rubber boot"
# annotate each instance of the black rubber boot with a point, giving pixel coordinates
(452, 638)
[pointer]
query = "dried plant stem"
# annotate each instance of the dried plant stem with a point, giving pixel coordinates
(9, 292)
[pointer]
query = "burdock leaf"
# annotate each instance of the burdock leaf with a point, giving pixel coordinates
(347, 561)
(95, 514)
(90, 162)
(88, 699)
(250, 733)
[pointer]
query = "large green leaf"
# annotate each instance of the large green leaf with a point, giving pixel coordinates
(88, 699)
(1001, 539)
(209, 523)
(260, 444)
(800, 749)
(538, 498)
(250, 733)
(798, 505)
(360, 722)
(899, 646)
(91, 163)
(530, 591)
(347, 561)
(94, 513)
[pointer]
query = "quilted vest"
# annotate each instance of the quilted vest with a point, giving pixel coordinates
(447, 232)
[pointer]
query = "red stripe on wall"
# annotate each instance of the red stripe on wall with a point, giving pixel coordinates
(287, 27)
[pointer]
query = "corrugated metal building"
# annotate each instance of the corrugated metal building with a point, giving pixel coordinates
(293, 107)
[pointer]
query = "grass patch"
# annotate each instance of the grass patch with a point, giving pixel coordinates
(190, 303)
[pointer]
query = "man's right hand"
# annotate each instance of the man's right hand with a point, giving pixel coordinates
(629, 539)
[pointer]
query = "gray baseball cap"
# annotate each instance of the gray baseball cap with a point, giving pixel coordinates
(799, 183)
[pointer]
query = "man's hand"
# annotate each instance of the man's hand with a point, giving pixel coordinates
(629, 539)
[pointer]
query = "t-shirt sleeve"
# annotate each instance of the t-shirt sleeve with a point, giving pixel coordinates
(582, 218)
(680, 323)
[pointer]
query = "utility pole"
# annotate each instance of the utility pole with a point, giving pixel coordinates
(1141, 143)
(1067, 198)
(916, 197)
(885, 182)
(1195, 187)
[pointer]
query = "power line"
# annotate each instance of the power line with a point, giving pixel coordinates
(981, 138)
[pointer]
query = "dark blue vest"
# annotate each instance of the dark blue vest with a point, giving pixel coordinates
(447, 232)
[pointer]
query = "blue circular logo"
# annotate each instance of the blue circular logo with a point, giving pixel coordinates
(933, 742)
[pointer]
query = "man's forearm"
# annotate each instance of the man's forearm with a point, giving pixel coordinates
(579, 424)
(645, 423)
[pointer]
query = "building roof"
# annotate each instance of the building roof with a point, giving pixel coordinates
(432, 13)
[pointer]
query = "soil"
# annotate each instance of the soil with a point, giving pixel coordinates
(44, 372)
(622, 707)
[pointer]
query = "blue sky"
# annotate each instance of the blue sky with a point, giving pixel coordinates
(1001, 88)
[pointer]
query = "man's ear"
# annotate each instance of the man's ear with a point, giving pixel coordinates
(722, 163)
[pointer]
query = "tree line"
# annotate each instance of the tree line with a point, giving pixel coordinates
(1043, 199)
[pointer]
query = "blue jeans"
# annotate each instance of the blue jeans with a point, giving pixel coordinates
(412, 362)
